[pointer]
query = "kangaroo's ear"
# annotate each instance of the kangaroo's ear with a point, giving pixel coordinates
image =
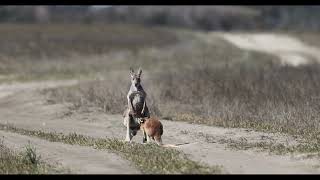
(139, 72)
(131, 72)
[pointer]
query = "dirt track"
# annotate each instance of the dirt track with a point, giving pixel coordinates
(25, 108)
(289, 50)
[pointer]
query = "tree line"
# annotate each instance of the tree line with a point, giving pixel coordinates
(225, 18)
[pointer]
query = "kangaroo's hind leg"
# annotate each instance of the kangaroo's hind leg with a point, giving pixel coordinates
(148, 139)
(158, 140)
(129, 133)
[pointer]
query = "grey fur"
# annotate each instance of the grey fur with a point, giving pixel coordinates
(137, 106)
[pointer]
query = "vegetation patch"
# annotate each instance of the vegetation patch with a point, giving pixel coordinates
(26, 162)
(148, 158)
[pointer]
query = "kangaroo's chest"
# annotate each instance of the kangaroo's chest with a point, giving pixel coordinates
(138, 101)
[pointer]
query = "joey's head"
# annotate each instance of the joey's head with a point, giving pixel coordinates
(135, 78)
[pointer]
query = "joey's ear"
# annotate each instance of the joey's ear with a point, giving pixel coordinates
(139, 72)
(131, 72)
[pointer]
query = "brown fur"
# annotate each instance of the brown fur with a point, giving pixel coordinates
(153, 128)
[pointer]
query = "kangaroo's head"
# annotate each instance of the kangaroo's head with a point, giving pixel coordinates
(135, 78)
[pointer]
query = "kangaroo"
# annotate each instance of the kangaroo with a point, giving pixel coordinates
(137, 106)
(152, 129)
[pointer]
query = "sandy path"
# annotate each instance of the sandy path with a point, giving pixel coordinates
(78, 159)
(29, 110)
(290, 50)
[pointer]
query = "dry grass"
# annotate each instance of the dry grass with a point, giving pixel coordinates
(162, 68)
(282, 99)
(26, 162)
(30, 52)
(56, 40)
(37, 52)
(279, 99)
